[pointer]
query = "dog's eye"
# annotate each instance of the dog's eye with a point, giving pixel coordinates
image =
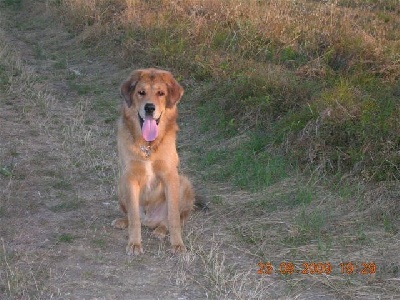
(160, 93)
(142, 93)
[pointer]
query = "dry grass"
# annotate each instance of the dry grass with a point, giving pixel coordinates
(320, 77)
(212, 31)
(21, 275)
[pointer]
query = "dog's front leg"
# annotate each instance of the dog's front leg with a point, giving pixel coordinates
(174, 222)
(134, 225)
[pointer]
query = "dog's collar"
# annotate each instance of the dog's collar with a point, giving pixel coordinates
(146, 149)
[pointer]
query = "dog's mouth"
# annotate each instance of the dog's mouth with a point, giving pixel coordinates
(149, 127)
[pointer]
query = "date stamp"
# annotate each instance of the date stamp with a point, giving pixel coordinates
(318, 268)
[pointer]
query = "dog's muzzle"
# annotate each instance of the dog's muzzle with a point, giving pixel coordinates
(149, 108)
(148, 124)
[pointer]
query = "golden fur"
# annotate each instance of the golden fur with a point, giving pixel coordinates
(151, 191)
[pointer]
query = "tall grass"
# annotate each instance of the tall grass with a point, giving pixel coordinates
(320, 78)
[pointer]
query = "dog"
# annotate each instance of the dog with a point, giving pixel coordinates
(151, 190)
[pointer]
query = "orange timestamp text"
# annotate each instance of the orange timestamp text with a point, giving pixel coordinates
(311, 268)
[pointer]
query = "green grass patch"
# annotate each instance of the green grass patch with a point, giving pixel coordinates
(82, 88)
(311, 220)
(390, 223)
(253, 235)
(247, 165)
(268, 204)
(2, 210)
(310, 224)
(106, 108)
(217, 200)
(100, 243)
(260, 171)
(4, 77)
(348, 191)
(69, 205)
(61, 64)
(303, 196)
(15, 4)
(300, 196)
(253, 99)
(65, 238)
(5, 171)
(39, 52)
(62, 185)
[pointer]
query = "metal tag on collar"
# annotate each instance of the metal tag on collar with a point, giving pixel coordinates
(146, 150)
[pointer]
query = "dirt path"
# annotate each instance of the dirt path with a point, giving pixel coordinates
(58, 191)
(57, 176)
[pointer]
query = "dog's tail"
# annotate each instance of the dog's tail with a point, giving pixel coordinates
(201, 202)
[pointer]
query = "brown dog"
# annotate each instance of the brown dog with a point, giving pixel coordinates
(150, 189)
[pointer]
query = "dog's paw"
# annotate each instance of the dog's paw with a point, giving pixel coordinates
(134, 249)
(177, 249)
(120, 223)
(160, 232)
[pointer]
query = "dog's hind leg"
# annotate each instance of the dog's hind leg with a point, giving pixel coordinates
(186, 199)
(156, 217)
(120, 223)
(161, 231)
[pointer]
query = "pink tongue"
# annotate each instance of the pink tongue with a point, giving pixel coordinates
(149, 129)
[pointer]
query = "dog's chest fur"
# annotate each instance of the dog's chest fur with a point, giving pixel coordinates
(150, 180)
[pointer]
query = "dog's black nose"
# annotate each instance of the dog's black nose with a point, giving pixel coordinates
(149, 108)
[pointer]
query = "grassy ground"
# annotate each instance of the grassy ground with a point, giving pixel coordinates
(281, 193)
(320, 79)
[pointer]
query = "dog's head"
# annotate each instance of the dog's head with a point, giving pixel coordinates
(151, 95)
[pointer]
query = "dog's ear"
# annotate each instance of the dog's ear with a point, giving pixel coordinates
(128, 86)
(175, 91)
(126, 89)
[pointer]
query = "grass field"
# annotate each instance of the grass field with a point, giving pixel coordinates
(290, 127)
(319, 79)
